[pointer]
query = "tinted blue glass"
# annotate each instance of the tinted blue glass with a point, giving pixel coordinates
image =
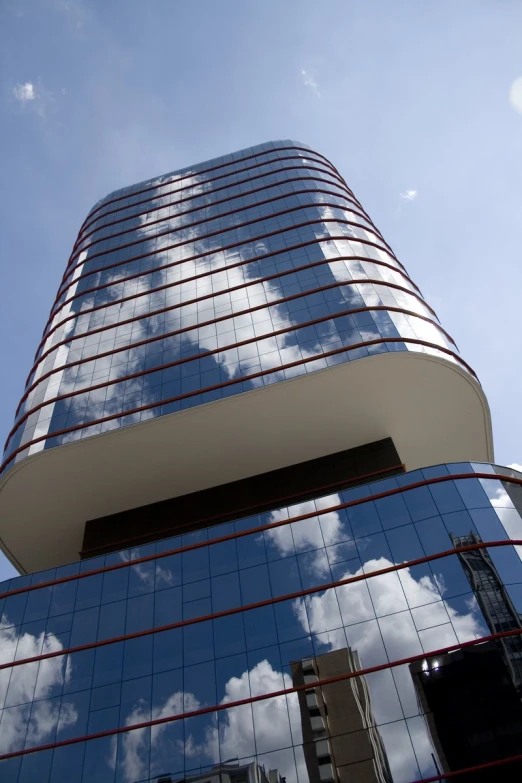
(420, 503)
(392, 511)
(85, 626)
(134, 256)
(67, 764)
(115, 585)
(364, 519)
(64, 598)
(472, 493)
(404, 544)
(108, 664)
(226, 592)
(137, 657)
(255, 584)
(446, 497)
(89, 592)
(168, 649)
(112, 620)
(214, 661)
(433, 536)
(140, 611)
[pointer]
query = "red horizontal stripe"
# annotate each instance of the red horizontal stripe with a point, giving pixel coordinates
(84, 292)
(199, 256)
(199, 544)
(194, 173)
(246, 510)
(246, 262)
(70, 269)
(241, 379)
(258, 604)
(261, 528)
(165, 335)
(215, 351)
(263, 696)
(210, 219)
(333, 179)
(192, 327)
(221, 292)
(206, 204)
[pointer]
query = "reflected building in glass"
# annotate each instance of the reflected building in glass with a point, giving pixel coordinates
(494, 601)
(245, 441)
(230, 773)
(340, 740)
(473, 711)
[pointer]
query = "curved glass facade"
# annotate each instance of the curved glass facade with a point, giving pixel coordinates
(326, 609)
(211, 281)
(316, 642)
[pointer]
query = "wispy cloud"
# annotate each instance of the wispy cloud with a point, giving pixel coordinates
(34, 96)
(515, 95)
(310, 82)
(409, 195)
(25, 92)
(75, 10)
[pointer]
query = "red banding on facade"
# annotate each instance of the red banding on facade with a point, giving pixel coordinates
(121, 280)
(189, 241)
(181, 527)
(210, 219)
(165, 335)
(228, 200)
(262, 257)
(224, 384)
(192, 327)
(189, 173)
(259, 604)
(264, 696)
(349, 195)
(330, 179)
(222, 292)
(345, 193)
(273, 525)
(341, 185)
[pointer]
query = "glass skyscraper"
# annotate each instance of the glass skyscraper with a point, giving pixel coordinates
(240, 486)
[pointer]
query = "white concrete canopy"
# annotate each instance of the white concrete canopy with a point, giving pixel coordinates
(432, 409)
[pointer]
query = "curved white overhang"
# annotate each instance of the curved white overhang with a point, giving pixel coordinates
(432, 409)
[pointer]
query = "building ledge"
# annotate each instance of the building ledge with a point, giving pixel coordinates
(433, 410)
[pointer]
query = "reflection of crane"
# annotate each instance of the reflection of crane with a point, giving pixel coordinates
(494, 601)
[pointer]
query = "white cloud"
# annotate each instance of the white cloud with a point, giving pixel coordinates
(277, 725)
(515, 95)
(516, 466)
(310, 82)
(307, 534)
(505, 509)
(25, 92)
(133, 755)
(409, 195)
(31, 682)
(397, 634)
(277, 722)
(35, 96)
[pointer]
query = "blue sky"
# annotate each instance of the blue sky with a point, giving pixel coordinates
(416, 103)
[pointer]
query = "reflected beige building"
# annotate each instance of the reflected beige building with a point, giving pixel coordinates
(230, 773)
(340, 739)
